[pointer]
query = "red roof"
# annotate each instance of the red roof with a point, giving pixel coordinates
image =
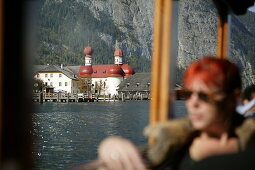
(88, 51)
(118, 52)
(103, 71)
(85, 71)
(128, 70)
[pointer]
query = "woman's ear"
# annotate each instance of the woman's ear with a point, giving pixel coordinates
(237, 95)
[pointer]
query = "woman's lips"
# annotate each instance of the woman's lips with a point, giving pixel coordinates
(196, 116)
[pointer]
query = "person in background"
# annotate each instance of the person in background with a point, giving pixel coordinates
(248, 102)
(213, 127)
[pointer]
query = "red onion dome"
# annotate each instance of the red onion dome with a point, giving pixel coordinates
(128, 70)
(118, 52)
(115, 70)
(85, 71)
(88, 51)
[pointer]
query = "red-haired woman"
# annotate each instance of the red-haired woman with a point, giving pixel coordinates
(212, 88)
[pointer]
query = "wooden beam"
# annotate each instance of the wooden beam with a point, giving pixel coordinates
(1, 74)
(160, 88)
(156, 53)
(222, 37)
(165, 61)
(16, 143)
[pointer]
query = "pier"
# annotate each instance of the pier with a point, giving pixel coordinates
(68, 97)
(55, 97)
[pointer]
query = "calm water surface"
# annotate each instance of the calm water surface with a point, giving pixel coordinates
(67, 134)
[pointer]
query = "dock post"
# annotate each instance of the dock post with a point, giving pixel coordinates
(67, 97)
(41, 97)
(122, 97)
(58, 97)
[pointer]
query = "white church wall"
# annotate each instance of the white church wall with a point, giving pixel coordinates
(97, 81)
(113, 83)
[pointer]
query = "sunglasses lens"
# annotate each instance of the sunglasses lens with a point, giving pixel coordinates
(207, 97)
(187, 94)
(203, 96)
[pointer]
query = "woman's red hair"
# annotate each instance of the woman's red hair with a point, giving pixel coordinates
(214, 72)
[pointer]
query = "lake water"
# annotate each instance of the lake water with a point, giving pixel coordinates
(67, 134)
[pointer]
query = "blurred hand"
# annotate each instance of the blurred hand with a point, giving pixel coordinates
(205, 146)
(120, 154)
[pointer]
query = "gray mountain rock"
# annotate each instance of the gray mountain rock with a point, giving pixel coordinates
(197, 36)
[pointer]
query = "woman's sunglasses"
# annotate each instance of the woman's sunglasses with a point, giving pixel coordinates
(207, 97)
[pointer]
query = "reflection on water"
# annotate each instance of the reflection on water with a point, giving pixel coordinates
(68, 134)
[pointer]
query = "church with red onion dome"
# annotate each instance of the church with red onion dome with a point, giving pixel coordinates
(110, 75)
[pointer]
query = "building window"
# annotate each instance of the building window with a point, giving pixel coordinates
(59, 84)
(51, 75)
(46, 75)
(60, 75)
(65, 83)
(51, 83)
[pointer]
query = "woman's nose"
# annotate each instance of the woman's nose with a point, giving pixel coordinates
(194, 100)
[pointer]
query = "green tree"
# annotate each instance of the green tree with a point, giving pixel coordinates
(100, 86)
(38, 85)
(84, 85)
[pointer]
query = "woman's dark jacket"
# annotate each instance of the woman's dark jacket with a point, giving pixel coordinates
(173, 138)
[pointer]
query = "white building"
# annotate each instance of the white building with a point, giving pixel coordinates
(57, 78)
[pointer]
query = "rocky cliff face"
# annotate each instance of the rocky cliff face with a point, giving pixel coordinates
(131, 23)
(132, 17)
(197, 30)
(197, 36)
